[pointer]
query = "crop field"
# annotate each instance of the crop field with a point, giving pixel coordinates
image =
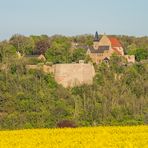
(91, 137)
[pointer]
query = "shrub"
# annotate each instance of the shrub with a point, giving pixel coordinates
(66, 123)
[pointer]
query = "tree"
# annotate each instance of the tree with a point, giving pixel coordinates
(140, 54)
(78, 54)
(6, 51)
(24, 45)
(116, 63)
(59, 50)
(86, 40)
(42, 46)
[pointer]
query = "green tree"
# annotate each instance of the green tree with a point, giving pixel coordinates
(23, 44)
(140, 54)
(78, 54)
(6, 51)
(59, 50)
(42, 43)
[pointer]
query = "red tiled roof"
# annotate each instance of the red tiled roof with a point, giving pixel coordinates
(114, 42)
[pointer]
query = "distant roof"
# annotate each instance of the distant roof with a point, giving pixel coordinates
(114, 42)
(101, 49)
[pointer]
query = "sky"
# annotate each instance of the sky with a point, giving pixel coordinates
(73, 17)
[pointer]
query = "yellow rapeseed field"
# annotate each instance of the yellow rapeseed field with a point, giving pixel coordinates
(95, 137)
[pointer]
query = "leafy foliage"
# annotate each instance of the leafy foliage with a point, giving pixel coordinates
(59, 50)
(22, 44)
(78, 54)
(140, 54)
(32, 99)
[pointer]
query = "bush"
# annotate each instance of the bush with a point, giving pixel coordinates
(66, 123)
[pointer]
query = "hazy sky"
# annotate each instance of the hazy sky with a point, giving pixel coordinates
(73, 17)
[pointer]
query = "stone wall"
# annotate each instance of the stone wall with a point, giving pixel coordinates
(48, 69)
(70, 75)
(130, 58)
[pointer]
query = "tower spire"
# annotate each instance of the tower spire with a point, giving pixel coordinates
(96, 36)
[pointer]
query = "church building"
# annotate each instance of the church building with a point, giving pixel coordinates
(104, 47)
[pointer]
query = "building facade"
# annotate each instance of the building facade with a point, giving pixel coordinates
(104, 47)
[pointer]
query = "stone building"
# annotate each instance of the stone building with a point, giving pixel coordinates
(104, 47)
(37, 57)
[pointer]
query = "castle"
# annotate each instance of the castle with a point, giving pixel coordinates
(104, 47)
(75, 74)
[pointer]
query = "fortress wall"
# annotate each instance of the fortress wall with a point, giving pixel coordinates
(48, 69)
(70, 75)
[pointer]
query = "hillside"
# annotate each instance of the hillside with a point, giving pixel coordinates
(33, 99)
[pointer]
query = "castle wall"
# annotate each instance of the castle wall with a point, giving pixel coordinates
(70, 75)
(130, 58)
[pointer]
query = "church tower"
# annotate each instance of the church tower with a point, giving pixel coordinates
(96, 37)
(96, 41)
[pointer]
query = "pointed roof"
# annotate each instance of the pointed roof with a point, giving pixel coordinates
(114, 42)
(96, 36)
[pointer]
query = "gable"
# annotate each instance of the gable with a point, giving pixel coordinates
(114, 42)
(104, 41)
